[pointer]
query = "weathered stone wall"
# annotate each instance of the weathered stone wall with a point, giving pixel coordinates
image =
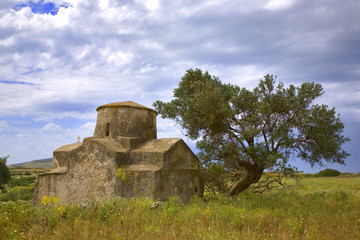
(160, 169)
(126, 121)
(156, 168)
(87, 172)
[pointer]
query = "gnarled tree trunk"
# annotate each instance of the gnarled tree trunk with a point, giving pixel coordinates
(253, 175)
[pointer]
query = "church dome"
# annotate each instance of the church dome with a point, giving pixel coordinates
(125, 119)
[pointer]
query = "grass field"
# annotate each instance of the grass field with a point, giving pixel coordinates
(320, 208)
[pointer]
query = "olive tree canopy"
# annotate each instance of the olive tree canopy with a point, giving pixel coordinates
(237, 128)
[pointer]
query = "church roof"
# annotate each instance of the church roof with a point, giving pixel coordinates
(124, 104)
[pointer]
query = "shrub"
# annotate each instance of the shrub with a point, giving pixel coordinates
(122, 175)
(308, 175)
(22, 181)
(18, 188)
(5, 175)
(17, 193)
(329, 173)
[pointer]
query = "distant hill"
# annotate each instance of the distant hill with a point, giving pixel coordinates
(46, 163)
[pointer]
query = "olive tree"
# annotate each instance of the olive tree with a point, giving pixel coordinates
(4, 171)
(253, 130)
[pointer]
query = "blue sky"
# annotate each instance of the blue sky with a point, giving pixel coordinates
(40, 7)
(61, 59)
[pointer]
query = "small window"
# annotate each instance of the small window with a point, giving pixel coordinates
(108, 129)
(195, 189)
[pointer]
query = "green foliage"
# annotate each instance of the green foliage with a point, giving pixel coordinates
(243, 130)
(346, 174)
(122, 175)
(21, 181)
(5, 175)
(17, 193)
(18, 188)
(328, 173)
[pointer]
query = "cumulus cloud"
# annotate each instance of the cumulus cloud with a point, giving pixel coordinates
(51, 127)
(279, 4)
(63, 64)
(32, 142)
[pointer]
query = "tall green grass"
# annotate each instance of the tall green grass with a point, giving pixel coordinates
(349, 185)
(321, 208)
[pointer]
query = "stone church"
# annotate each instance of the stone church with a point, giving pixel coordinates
(124, 158)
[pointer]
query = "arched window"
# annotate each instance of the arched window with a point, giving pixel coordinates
(108, 129)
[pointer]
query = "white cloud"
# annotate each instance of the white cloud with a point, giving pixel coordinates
(95, 52)
(89, 126)
(151, 5)
(104, 4)
(32, 144)
(118, 58)
(279, 4)
(7, 42)
(50, 127)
